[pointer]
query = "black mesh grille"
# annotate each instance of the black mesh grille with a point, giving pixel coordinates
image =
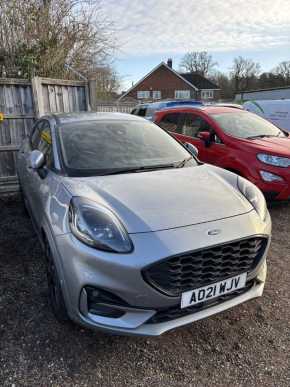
(174, 312)
(203, 267)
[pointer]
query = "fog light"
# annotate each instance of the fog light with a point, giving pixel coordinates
(102, 303)
(106, 311)
(270, 177)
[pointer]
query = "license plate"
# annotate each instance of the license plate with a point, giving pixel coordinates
(196, 296)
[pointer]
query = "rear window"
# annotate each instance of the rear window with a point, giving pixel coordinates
(142, 112)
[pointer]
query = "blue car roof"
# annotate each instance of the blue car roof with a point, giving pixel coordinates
(185, 102)
(163, 104)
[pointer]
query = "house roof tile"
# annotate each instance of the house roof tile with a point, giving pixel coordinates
(199, 81)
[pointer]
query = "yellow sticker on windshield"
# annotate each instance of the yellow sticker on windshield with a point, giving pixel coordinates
(45, 136)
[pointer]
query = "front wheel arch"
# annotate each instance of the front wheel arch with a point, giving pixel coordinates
(56, 297)
(236, 171)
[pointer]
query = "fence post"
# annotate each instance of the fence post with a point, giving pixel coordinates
(93, 93)
(38, 96)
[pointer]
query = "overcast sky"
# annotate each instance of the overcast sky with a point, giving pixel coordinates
(150, 31)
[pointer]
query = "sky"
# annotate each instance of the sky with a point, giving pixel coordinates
(150, 31)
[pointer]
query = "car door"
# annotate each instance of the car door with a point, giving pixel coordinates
(23, 160)
(213, 151)
(36, 186)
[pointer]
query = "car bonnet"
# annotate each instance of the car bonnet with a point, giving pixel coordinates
(164, 199)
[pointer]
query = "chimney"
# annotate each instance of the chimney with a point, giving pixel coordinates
(169, 62)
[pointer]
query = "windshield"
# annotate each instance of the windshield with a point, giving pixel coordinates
(246, 125)
(103, 147)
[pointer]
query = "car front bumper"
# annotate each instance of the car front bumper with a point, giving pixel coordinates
(120, 274)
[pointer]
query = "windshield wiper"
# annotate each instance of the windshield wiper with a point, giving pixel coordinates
(146, 168)
(260, 136)
(141, 169)
(182, 163)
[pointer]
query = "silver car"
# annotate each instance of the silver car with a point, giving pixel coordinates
(139, 236)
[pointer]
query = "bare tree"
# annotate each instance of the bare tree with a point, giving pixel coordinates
(108, 82)
(244, 72)
(269, 80)
(41, 36)
(283, 70)
(197, 62)
(225, 83)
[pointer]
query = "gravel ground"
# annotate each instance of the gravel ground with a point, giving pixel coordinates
(246, 346)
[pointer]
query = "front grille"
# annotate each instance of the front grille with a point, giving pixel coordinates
(178, 274)
(174, 312)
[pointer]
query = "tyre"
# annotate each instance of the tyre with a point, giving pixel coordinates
(54, 287)
(24, 202)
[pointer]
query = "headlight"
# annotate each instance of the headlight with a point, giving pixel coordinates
(97, 226)
(277, 161)
(254, 196)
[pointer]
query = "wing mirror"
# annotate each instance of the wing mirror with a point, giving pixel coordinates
(192, 149)
(205, 136)
(36, 159)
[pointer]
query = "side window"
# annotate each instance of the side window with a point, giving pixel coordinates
(142, 112)
(216, 139)
(171, 122)
(45, 143)
(194, 124)
(35, 136)
(41, 140)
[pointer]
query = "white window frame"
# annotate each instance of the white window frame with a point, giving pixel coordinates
(207, 94)
(156, 94)
(182, 94)
(143, 94)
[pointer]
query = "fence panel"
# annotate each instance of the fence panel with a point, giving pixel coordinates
(103, 106)
(60, 96)
(16, 103)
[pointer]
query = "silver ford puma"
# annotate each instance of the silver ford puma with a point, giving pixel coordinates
(139, 236)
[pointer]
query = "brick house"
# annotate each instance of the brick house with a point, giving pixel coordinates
(163, 82)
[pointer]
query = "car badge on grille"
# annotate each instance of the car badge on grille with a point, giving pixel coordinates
(214, 232)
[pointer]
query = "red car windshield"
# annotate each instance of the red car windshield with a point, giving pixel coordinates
(246, 125)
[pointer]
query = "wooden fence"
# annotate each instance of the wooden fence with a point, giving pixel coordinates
(105, 106)
(16, 103)
(58, 96)
(22, 102)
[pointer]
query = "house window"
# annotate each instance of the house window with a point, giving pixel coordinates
(156, 94)
(142, 94)
(182, 94)
(206, 94)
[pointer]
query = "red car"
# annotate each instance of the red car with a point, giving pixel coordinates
(237, 140)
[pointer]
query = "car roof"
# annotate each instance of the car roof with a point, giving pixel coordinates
(65, 118)
(206, 109)
(167, 103)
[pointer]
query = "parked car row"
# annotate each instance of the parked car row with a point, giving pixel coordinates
(139, 235)
(234, 139)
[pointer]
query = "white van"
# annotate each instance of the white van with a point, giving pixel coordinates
(276, 111)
